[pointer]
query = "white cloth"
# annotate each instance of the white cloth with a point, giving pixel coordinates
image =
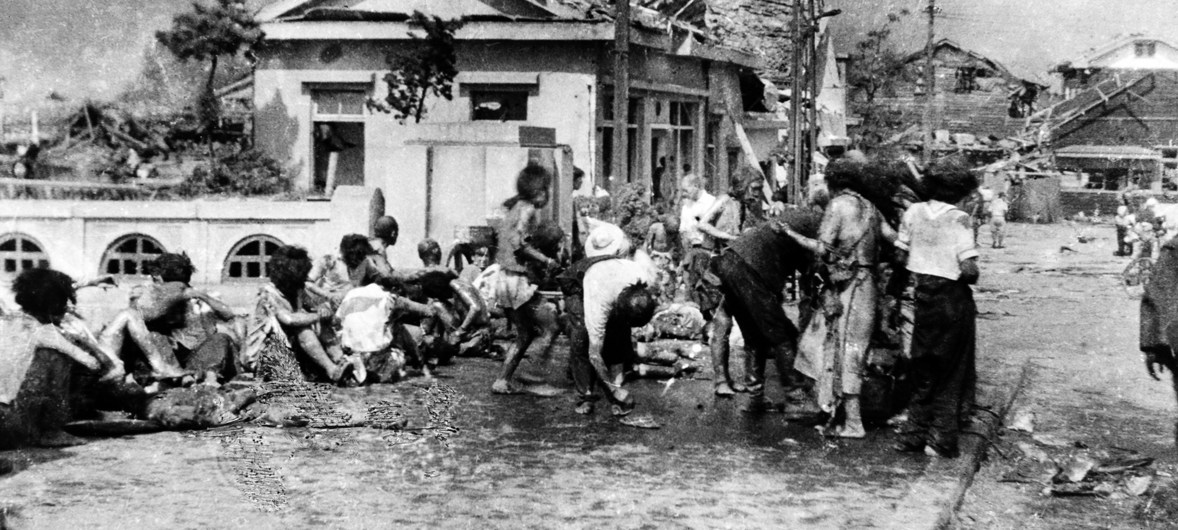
(689, 218)
(937, 236)
(364, 317)
(606, 239)
(604, 282)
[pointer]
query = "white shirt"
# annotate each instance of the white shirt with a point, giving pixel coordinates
(603, 283)
(937, 236)
(689, 218)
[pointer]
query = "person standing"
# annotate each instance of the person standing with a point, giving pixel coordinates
(515, 284)
(998, 209)
(937, 245)
(730, 216)
(848, 244)
(695, 203)
(1159, 316)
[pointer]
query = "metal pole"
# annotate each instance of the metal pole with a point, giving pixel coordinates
(621, 162)
(930, 79)
(795, 100)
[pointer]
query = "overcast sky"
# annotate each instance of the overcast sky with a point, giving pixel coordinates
(92, 48)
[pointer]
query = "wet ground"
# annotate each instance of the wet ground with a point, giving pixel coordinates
(471, 459)
(1065, 314)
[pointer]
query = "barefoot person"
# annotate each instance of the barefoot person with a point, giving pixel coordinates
(290, 330)
(462, 313)
(937, 242)
(848, 244)
(514, 285)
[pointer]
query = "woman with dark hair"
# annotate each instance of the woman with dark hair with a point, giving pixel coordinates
(290, 331)
(515, 285)
(936, 242)
(36, 359)
(848, 244)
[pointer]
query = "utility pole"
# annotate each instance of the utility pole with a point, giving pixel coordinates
(930, 79)
(795, 100)
(812, 73)
(621, 163)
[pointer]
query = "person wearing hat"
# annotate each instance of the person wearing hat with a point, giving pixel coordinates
(606, 295)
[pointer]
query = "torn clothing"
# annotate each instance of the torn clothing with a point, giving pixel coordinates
(937, 237)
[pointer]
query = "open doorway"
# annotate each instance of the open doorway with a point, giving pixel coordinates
(339, 156)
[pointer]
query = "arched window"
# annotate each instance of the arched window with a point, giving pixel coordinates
(19, 252)
(249, 257)
(128, 254)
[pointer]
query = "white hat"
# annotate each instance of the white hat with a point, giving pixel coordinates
(606, 240)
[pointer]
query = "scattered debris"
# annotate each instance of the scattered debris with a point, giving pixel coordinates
(1050, 440)
(1023, 421)
(1076, 468)
(641, 422)
(1137, 486)
(1033, 453)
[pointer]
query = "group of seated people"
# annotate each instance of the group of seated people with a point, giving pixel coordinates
(350, 319)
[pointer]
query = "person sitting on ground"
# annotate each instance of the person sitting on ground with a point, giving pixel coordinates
(463, 318)
(367, 265)
(35, 362)
(156, 310)
(371, 322)
(606, 295)
(329, 277)
(289, 332)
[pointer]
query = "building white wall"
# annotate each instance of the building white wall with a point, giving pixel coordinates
(77, 234)
(564, 99)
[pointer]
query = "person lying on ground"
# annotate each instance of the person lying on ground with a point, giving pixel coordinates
(463, 321)
(290, 336)
(174, 325)
(36, 360)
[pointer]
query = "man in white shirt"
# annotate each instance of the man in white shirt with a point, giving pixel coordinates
(606, 295)
(696, 203)
(937, 241)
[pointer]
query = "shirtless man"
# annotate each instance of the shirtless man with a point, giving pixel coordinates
(730, 216)
(463, 318)
(848, 243)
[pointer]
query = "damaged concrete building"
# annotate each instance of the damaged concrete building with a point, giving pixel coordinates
(532, 75)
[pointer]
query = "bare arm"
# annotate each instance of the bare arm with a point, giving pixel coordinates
(519, 239)
(473, 302)
(707, 222)
(221, 309)
(50, 337)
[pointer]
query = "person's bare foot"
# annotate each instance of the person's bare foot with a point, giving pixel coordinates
(584, 408)
(846, 431)
(724, 390)
(501, 386)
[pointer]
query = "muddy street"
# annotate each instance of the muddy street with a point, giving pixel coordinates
(450, 454)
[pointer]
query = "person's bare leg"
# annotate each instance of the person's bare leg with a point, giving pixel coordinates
(314, 349)
(523, 339)
(544, 318)
(130, 323)
(852, 427)
(721, 352)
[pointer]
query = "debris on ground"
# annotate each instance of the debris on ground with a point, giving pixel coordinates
(1074, 470)
(642, 421)
(1022, 420)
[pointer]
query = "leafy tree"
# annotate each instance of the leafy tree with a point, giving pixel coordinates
(212, 30)
(875, 65)
(424, 68)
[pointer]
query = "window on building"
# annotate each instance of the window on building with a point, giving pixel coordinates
(344, 100)
(19, 252)
(499, 103)
(128, 254)
(1145, 48)
(249, 258)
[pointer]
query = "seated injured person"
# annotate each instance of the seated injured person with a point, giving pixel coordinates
(463, 322)
(36, 361)
(372, 329)
(172, 327)
(290, 333)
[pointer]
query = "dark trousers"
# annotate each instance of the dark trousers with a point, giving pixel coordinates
(943, 369)
(767, 332)
(1123, 248)
(617, 349)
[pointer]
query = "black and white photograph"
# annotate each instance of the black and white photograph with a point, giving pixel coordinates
(589, 264)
